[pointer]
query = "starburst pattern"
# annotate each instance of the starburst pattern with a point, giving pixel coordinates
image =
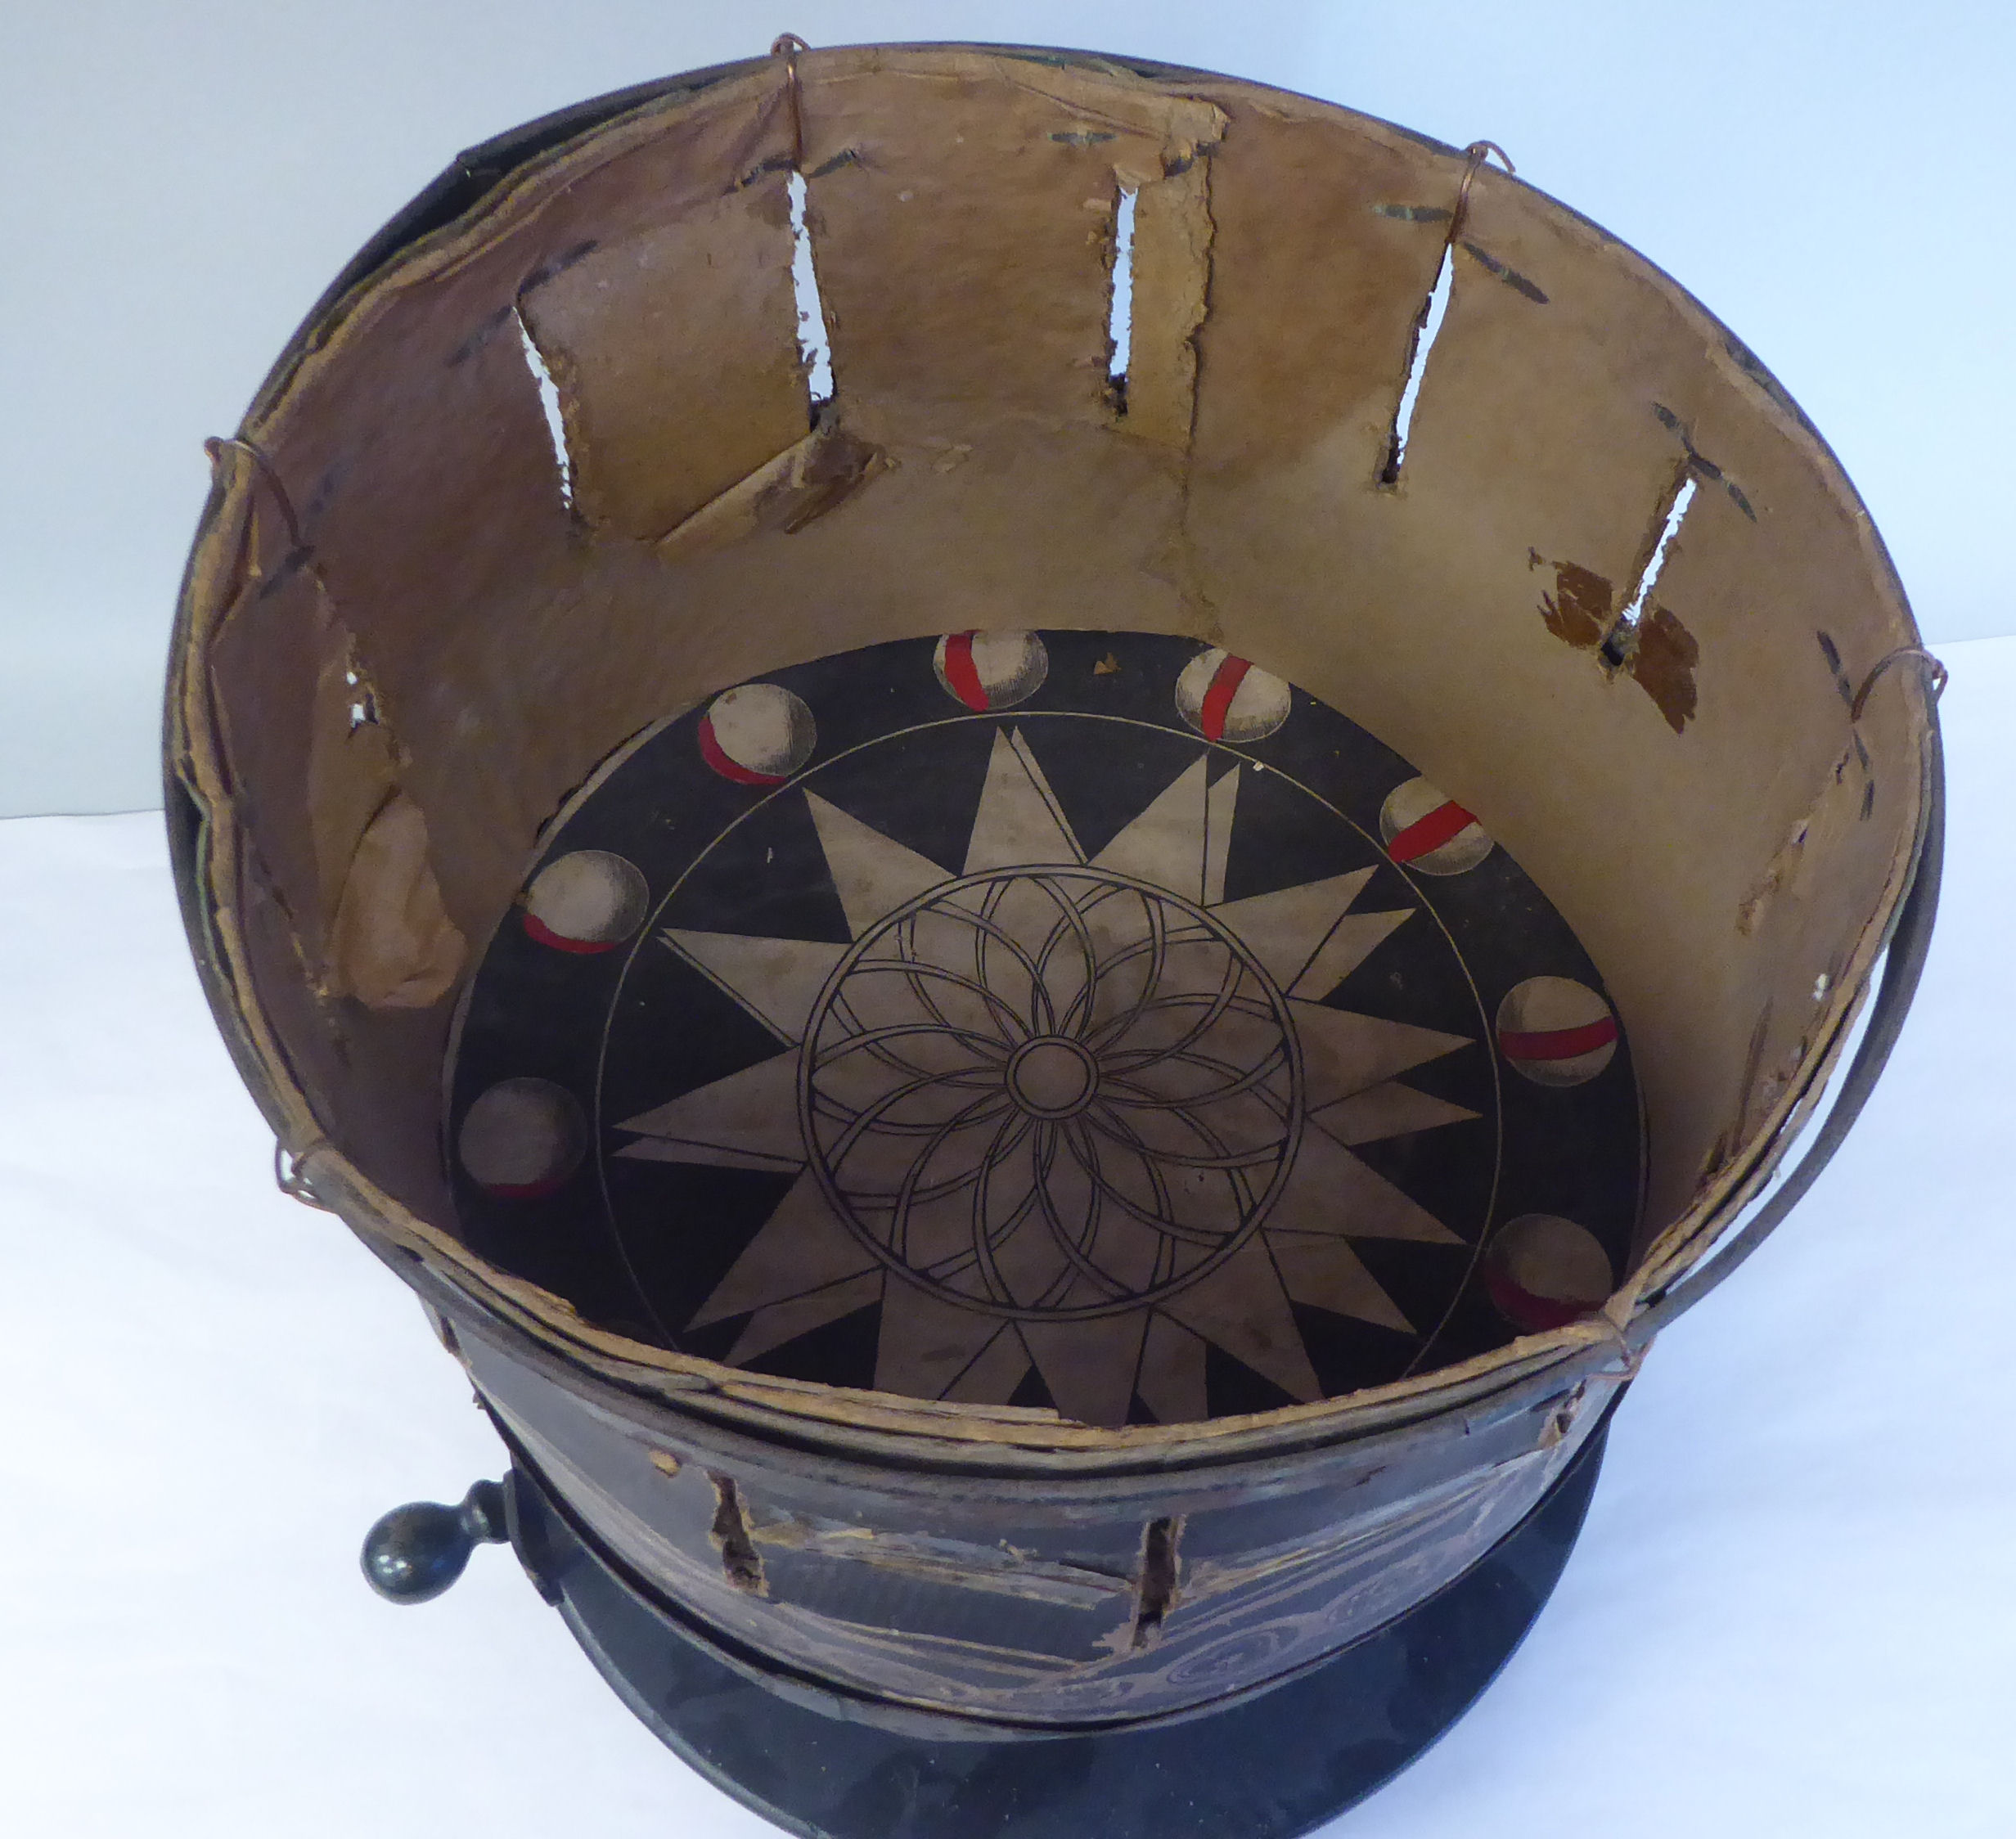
(1084, 1114)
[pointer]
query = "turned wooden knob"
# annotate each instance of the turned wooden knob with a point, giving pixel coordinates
(415, 1551)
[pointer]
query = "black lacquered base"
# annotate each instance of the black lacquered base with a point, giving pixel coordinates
(1267, 1768)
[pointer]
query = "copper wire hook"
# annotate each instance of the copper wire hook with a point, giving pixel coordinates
(1936, 676)
(787, 46)
(214, 447)
(1473, 156)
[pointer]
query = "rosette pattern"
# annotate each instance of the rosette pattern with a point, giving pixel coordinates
(1052, 1094)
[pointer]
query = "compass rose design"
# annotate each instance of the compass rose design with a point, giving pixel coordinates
(1082, 1020)
(1081, 1113)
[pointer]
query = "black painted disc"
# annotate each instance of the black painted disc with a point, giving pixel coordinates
(1068, 1019)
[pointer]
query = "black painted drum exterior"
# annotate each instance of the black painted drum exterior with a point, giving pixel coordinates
(1269, 1767)
(1000, 1608)
(950, 1579)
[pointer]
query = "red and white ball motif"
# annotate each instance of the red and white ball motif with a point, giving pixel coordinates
(756, 733)
(1543, 1272)
(1224, 698)
(1555, 1031)
(991, 670)
(1428, 833)
(522, 1139)
(586, 902)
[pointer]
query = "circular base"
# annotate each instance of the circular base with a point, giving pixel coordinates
(1268, 1768)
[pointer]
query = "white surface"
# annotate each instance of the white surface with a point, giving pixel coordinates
(183, 179)
(1789, 1614)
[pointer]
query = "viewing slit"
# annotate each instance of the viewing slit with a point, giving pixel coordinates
(363, 699)
(815, 349)
(1427, 329)
(1120, 313)
(549, 401)
(1155, 1593)
(1617, 642)
(739, 1562)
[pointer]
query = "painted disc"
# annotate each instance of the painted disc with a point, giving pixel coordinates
(1035, 1022)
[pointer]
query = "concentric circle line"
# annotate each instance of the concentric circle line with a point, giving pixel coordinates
(1244, 1086)
(1160, 1224)
(1253, 1006)
(978, 1111)
(1157, 944)
(893, 1128)
(984, 1239)
(1230, 980)
(879, 1038)
(954, 1262)
(1164, 1221)
(1275, 1060)
(899, 1216)
(1175, 1158)
(1060, 1286)
(911, 968)
(1075, 1253)
(1038, 971)
(872, 1115)
(1233, 1169)
(1071, 921)
(826, 1107)
(937, 1276)
(905, 917)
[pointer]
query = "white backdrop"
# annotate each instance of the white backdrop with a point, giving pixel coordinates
(180, 178)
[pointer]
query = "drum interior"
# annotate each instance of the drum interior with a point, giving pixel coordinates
(846, 393)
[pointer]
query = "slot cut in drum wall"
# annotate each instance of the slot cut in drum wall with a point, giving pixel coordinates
(906, 481)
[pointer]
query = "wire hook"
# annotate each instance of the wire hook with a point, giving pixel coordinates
(214, 448)
(1474, 155)
(787, 46)
(1935, 675)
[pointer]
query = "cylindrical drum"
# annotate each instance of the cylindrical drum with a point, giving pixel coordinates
(1051, 839)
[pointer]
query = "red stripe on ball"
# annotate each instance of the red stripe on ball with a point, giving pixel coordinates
(1217, 703)
(1535, 1314)
(1429, 833)
(524, 1190)
(1558, 1043)
(537, 930)
(960, 673)
(711, 753)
